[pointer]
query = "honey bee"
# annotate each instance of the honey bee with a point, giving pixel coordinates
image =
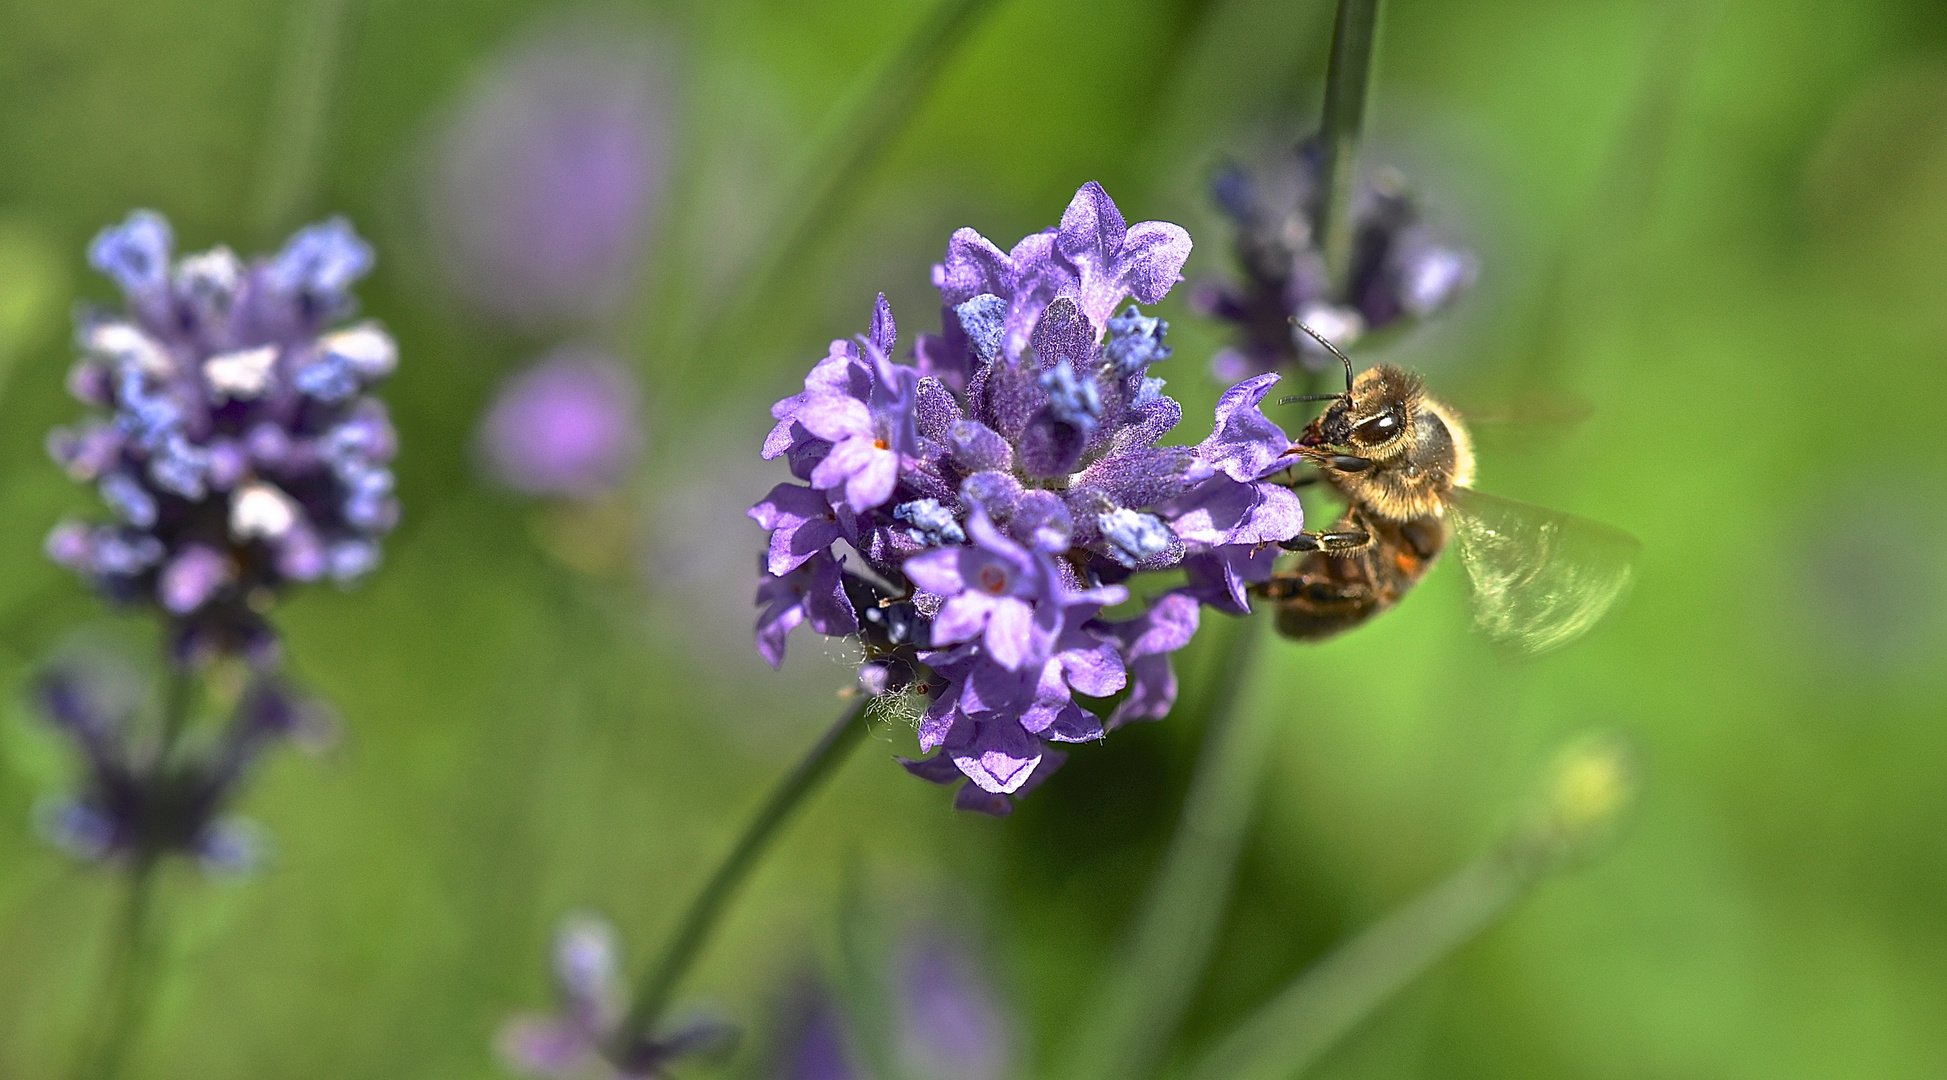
(1404, 463)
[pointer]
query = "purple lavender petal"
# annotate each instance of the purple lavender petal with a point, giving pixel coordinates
(865, 468)
(1166, 626)
(1000, 757)
(815, 591)
(1244, 443)
(832, 417)
(971, 797)
(973, 266)
(1112, 260)
(1220, 576)
(1221, 511)
(802, 524)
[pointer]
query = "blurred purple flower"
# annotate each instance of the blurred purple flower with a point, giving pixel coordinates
(134, 803)
(241, 451)
(817, 1041)
(580, 1039)
(1401, 270)
(545, 186)
(952, 1024)
(994, 498)
(570, 426)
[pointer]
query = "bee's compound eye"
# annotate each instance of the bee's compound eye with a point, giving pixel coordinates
(1376, 430)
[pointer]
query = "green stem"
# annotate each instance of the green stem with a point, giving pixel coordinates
(295, 135)
(1288, 1035)
(656, 987)
(1347, 81)
(129, 983)
(1150, 988)
(860, 128)
(178, 703)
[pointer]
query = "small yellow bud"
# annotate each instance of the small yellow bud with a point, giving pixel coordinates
(1585, 797)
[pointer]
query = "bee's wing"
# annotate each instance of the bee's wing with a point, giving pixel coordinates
(1541, 578)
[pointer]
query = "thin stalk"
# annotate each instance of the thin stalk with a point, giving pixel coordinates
(1151, 985)
(299, 111)
(1288, 1035)
(659, 982)
(1347, 81)
(178, 703)
(129, 983)
(861, 127)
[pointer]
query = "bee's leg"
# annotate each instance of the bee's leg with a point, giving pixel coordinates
(1335, 543)
(1327, 459)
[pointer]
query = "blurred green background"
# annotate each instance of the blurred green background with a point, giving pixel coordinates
(1724, 224)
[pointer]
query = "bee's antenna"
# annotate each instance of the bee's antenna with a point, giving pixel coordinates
(1296, 398)
(1320, 338)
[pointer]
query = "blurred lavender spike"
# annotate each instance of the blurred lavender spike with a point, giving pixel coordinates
(569, 426)
(545, 185)
(240, 452)
(138, 800)
(1399, 270)
(952, 1024)
(817, 1043)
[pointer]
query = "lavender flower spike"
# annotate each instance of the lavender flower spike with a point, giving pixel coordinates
(240, 452)
(993, 500)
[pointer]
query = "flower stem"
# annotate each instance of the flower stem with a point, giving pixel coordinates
(1290, 1033)
(1150, 988)
(659, 983)
(129, 983)
(1347, 80)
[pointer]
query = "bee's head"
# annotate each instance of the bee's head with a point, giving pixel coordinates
(1373, 418)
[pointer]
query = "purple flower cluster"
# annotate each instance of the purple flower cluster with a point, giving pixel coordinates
(581, 1038)
(136, 802)
(1401, 271)
(969, 518)
(241, 450)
